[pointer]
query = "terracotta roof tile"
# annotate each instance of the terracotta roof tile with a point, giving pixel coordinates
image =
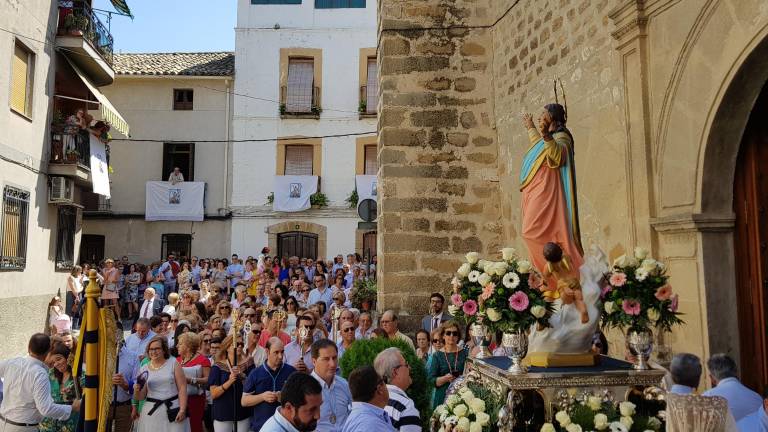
(198, 64)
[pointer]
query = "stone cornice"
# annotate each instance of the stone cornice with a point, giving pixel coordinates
(698, 222)
(268, 213)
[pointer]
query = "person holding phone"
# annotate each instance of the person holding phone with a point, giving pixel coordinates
(447, 364)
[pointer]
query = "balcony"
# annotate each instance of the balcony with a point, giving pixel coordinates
(71, 155)
(300, 106)
(368, 103)
(95, 204)
(86, 42)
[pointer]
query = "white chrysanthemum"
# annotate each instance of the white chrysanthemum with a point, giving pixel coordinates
(477, 406)
(452, 400)
(641, 274)
(618, 427)
(473, 276)
(482, 418)
(511, 280)
(594, 403)
(493, 314)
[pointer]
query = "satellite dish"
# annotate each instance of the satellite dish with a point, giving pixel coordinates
(367, 210)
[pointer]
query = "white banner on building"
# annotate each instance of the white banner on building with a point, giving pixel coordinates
(99, 167)
(367, 186)
(292, 193)
(181, 201)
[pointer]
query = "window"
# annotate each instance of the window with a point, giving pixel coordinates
(298, 159)
(180, 155)
(182, 99)
(22, 72)
(65, 238)
(372, 86)
(13, 223)
(299, 95)
(274, 2)
(335, 4)
(179, 244)
(371, 164)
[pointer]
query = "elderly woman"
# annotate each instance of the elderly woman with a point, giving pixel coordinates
(224, 310)
(173, 303)
(447, 364)
(240, 293)
(196, 369)
(164, 391)
(226, 380)
(64, 389)
(422, 344)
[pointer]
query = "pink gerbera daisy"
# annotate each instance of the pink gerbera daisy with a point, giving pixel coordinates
(618, 279)
(664, 292)
(518, 301)
(456, 300)
(470, 307)
(631, 307)
(488, 291)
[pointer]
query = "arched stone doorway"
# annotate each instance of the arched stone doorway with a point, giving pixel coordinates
(282, 230)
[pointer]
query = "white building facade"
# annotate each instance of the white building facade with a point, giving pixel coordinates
(305, 70)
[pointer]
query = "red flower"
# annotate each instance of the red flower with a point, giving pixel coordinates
(664, 292)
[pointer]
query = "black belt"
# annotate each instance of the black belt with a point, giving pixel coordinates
(160, 402)
(16, 423)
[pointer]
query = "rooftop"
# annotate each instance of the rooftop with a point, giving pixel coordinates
(194, 64)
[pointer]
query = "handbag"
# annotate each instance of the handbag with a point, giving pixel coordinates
(193, 372)
(172, 413)
(111, 287)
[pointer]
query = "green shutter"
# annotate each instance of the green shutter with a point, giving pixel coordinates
(337, 4)
(274, 2)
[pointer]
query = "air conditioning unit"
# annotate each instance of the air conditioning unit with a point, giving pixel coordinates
(62, 191)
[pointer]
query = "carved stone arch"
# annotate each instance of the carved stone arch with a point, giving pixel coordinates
(299, 225)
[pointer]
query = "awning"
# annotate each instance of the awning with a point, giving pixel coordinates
(108, 112)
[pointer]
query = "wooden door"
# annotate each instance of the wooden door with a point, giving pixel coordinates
(751, 246)
(91, 248)
(297, 243)
(369, 244)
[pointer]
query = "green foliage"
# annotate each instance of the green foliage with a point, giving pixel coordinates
(318, 199)
(363, 352)
(316, 110)
(363, 107)
(493, 403)
(282, 109)
(353, 199)
(271, 198)
(364, 290)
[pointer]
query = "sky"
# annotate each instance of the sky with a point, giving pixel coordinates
(173, 25)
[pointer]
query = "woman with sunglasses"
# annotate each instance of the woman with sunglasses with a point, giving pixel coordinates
(291, 307)
(436, 339)
(448, 363)
(226, 384)
(224, 310)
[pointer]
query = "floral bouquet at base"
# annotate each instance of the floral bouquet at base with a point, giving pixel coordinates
(504, 292)
(637, 294)
(462, 412)
(596, 414)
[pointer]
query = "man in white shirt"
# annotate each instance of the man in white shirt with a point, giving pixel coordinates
(337, 399)
(321, 292)
(151, 305)
(436, 317)
(138, 341)
(27, 390)
(300, 401)
(725, 383)
(389, 324)
(176, 176)
(396, 372)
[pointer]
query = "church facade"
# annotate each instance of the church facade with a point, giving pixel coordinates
(664, 99)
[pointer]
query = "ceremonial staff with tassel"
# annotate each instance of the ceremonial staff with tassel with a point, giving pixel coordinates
(89, 342)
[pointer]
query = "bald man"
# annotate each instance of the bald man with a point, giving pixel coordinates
(388, 323)
(262, 388)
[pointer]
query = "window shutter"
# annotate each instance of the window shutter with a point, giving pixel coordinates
(371, 164)
(372, 86)
(19, 77)
(301, 74)
(298, 159)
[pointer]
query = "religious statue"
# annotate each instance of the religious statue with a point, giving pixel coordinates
(567, 288)
(548, 184)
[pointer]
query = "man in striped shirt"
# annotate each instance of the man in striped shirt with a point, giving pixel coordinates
(396, 372)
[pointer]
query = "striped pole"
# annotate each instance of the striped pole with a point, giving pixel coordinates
(91, 340)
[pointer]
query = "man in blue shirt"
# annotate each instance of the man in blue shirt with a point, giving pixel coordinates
(300, 401)
(264, 383)
(235, 271)
(370, 396)
(336, 396)
(321, 292)
(755, 422)
(686, 371)
(725, 382)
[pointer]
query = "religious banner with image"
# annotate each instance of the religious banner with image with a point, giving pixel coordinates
(367, 186)
(292, 193)
(99, 167)
(180, 201)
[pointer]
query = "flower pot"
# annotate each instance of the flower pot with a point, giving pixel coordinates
(639, 341)
(515, 344)
(72, 157)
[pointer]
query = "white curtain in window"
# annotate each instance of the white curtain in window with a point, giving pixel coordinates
(298, 159)
(372, 87)
(298, 96)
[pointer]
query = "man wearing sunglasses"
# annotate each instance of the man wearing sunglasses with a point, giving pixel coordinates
(389, 325)
(347, 337)
(396, 372)
(370, 395)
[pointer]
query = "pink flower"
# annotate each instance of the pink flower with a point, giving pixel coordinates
(618, 279)
(664, 292)
(631, 307)
(456, 300)
(534, 280)
(488, 291)
(605, 290)
(673, 305)
(518, 301)
(470, 307)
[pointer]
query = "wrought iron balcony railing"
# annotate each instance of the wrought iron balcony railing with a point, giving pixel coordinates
(80, 20)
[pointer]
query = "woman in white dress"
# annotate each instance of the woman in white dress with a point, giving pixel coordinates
(164, 393)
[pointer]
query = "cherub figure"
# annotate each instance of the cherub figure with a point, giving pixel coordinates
(568, 286)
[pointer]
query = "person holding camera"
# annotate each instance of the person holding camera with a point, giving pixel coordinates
(447, 364)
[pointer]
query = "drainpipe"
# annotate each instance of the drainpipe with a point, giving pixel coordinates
(225, 202)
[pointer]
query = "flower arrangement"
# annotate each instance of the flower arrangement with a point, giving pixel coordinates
(363, 291)
(505, 292)
(637, 294)
(462, 412)
(596, 414)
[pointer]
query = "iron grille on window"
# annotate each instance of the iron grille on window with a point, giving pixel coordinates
(372, 87)
(179, 244)
(300, 91)
(371, 164)
(298, 160)
(65, 238)
(13, 242)
(335, 4)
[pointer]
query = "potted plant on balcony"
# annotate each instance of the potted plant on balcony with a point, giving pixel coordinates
(318, 199)
(72, 155)
(74, 24)
(353, 199)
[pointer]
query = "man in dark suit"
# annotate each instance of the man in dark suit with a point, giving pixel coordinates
(437, 316)
(152, 305)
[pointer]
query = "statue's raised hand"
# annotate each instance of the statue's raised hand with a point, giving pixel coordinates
(527, 121)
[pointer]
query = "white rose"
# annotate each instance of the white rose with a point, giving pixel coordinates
(484, 279)
(493, 314)
(620, 261)
(649, 265)
(482, 418)
(464, 270)
(508, 254)
(440, 410)
(601, 422)
(608, 306)
(472, 257)
(443, 416)
(451, 420)
(453, 309)
(617, 427)
(641, 253)
(475, 427)
(463, 424)
(563, 418)
(538, 311)
(627, 422)
(654, 423)
(573, 427)
(482, 264)
(547, 427)
(452, 400)
(460, 410)
(478, 406)
(500, 268)
(468, 396)
(627, 409)
(524, 266)
(653, 315)
(594, 403)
